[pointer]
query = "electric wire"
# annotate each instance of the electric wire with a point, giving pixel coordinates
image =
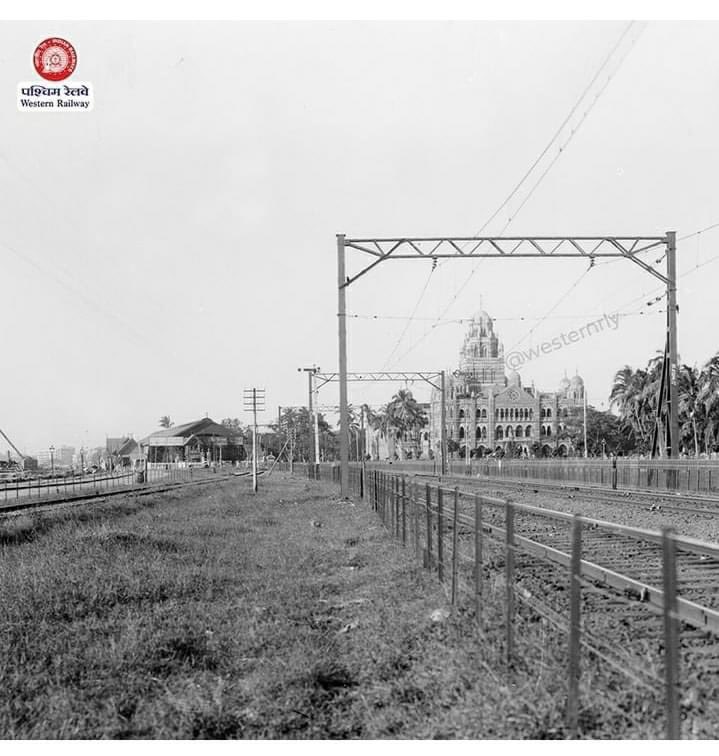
(596, 76)
(563, 146)
(558, 132)
(552, 309)
(409, 319)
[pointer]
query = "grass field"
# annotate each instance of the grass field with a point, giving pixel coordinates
(214, 613)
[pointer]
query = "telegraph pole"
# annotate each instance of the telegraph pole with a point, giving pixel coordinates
(314, 423)
(254, 401)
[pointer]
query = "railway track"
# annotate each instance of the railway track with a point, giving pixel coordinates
(634, 582)
(73, 499)
(678, 502)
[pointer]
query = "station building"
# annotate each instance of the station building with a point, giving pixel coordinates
(199, 442)
(487, 408)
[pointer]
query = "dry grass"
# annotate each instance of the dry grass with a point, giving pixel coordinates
(218, 614)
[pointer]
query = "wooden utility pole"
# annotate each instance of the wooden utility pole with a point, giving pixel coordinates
(313, 421)
(254, 401)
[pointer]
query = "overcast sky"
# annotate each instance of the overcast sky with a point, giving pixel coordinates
(177, 243)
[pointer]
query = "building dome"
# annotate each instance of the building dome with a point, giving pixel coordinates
(484, 320)
(564, 384)
(576, 382)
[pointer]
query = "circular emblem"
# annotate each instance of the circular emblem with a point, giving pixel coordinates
(55, 59)
(514, 395)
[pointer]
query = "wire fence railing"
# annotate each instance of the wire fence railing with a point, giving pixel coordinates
(53, 488)
(682, 475)
(635, 613)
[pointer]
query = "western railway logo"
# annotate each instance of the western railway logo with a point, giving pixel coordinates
(55, 60)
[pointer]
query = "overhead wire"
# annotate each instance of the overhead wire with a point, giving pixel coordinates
(409, 319)
(552, 309)
(563, 146)
(555, 136)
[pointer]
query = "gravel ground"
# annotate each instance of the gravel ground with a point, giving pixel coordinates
(641, 513)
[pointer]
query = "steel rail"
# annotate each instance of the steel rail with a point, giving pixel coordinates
(20, 506)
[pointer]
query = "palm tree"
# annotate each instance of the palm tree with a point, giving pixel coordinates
(691, 409)
(708, 397)
(625, 396)
(353, 428)
(405, 415)
(166, 422)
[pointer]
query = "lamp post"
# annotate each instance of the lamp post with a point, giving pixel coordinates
(82, 460)
(52, 460)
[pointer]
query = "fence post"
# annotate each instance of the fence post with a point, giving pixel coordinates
(404, 511)
(396, 506)
(428, 501)
(478, 557)
(614, 473)
(575, 598)
(454, 544)
(509, 580)
(415, 515)
(671, 634)
(382, 495)
(440, 535)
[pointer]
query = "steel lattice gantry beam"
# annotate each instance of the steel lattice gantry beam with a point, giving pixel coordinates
(382, 250)
(435, 378)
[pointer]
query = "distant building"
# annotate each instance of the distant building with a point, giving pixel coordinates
(199, 442)
(123, 451)
(63, 456)
(486, 409)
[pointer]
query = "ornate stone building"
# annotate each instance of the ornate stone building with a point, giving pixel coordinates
(487, 408)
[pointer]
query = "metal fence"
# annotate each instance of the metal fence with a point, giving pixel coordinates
(643, 604)
(690, 476)
(47, 489)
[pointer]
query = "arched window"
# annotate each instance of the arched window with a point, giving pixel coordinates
(484, 414)
(498, 432)
(478, 433)
(549, 412)
(528, 431)
(531, 413)
(484, 432)
(508, 431)
(461, 432)
(549, 430)
(518, 432)
(461, 414)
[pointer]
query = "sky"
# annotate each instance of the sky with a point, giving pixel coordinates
(176, 244)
